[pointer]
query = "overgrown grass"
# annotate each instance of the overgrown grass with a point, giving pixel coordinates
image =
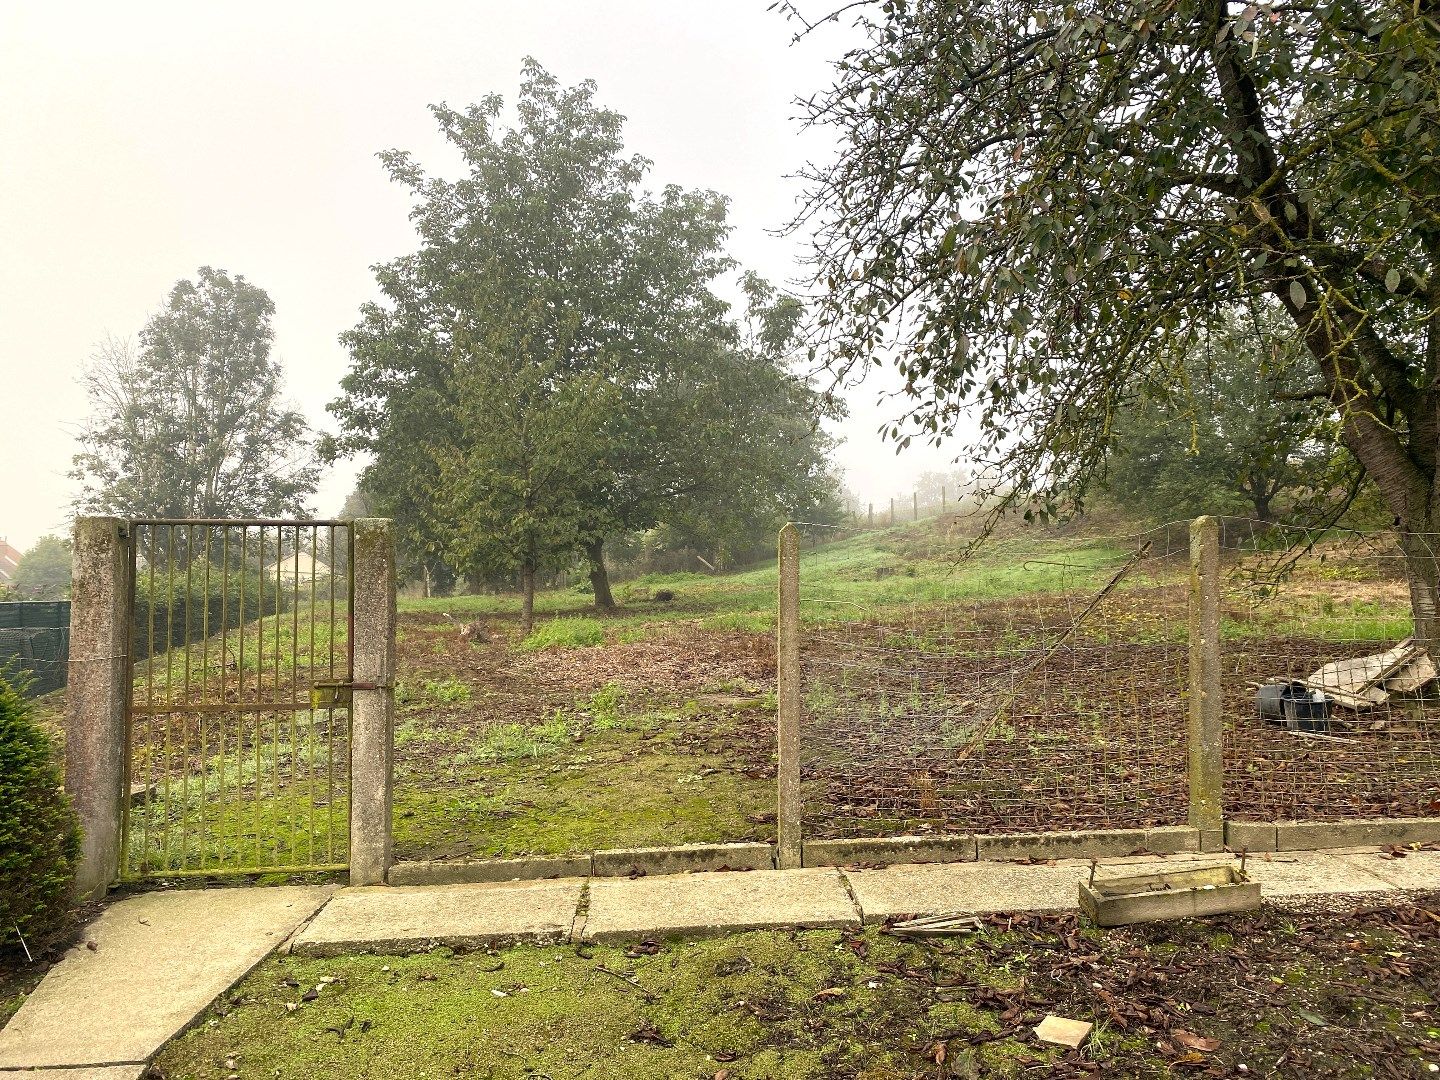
(571, 633)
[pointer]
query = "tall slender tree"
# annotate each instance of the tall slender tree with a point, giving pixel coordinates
(193, 423)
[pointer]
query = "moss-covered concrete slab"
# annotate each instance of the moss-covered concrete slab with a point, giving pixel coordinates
(1418, 870)
(965, 887)
(704, 905)
(386, 919)
(157, 960)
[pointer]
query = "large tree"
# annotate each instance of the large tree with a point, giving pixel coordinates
(1035, 201)
(552, 366)
(193, 424)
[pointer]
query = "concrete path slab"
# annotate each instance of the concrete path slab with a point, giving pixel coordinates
(1287, 875)
(159, 960)
(935, 888)
(1417, 870)
(406, 919)
(701, 905)
(96, 1072)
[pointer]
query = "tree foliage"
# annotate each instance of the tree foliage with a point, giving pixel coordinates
(552, 367)
(44, 570)
(1038, 205)
(193, 423)
(1230, 433)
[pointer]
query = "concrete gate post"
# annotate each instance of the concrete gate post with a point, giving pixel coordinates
(372, 710)
(99, 676)
(1205, 734)
(789, 850)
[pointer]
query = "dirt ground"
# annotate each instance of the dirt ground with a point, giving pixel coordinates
(683, 747)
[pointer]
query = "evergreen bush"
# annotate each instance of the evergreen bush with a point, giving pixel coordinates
(39, 832)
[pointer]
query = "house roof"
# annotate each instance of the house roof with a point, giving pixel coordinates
(9, 560)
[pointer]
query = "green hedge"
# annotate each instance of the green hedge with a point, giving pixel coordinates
(39, 833)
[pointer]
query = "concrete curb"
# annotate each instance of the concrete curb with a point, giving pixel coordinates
(1090, 843)
(687, 858)
(1322, 835)
(890, 849)
(479, 871)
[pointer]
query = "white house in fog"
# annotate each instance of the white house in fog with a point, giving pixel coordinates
(298, 566)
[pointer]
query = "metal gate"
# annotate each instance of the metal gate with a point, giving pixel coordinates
(238, 715)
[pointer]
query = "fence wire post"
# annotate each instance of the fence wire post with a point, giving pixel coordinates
(1206, 765)
(789, 852)
(372, 736)
(95, 704)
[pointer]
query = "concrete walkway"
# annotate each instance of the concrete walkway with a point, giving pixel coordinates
(158, 961)
(162, 958)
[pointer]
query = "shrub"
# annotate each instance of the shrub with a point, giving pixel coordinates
(39, 833)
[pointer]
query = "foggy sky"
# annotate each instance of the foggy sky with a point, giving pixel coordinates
(140, 142)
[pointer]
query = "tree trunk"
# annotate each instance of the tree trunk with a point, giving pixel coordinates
(527, 599)
(1422, 569)
(599, 576)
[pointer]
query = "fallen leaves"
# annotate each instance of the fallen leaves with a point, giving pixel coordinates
(1195, 1042)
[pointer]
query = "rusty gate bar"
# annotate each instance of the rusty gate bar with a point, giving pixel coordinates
(237, 719)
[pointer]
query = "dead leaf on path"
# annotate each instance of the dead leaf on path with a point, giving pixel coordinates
(1196, 1042)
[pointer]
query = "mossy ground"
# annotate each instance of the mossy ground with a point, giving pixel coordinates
(814, 1004)
(1344, 992)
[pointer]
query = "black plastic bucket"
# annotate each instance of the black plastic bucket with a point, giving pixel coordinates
(1295, 705)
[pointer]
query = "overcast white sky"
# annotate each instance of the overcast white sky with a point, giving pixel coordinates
(141, 141)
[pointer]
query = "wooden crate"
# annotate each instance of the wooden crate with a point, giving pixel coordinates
(1168, 894)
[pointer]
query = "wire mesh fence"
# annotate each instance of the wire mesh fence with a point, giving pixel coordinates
(1305, 611)
(1046, 687)
(1043, 687)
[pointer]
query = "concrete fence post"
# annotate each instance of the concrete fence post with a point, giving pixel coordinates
(872, 515)
(787, 816)
(1205, 736)
(914, 506)
(943, 506)
(372, 712)
(99, 676)
(892, 509)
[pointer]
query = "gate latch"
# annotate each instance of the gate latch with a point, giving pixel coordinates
(336, 694)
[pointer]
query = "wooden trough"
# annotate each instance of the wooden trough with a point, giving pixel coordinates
(1168, 894)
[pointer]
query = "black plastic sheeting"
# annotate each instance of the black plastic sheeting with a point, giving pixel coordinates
(35, 645)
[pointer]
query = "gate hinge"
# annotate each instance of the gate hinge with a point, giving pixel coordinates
(337, 694)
